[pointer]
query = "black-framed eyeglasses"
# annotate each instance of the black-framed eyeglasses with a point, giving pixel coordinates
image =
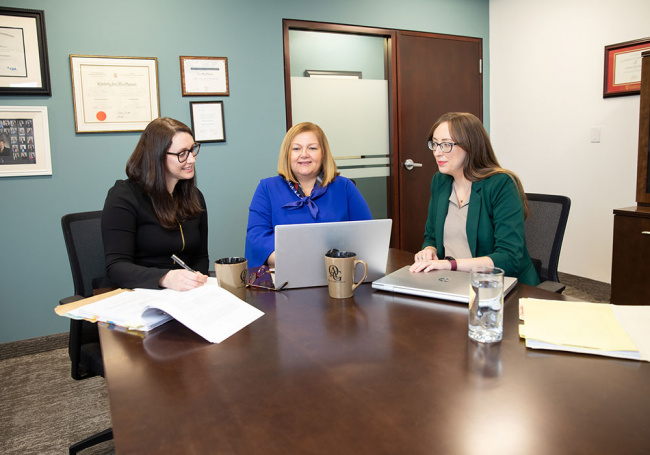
(444, 146)
(185, 154)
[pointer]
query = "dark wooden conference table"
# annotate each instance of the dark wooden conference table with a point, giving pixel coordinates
(379, 373)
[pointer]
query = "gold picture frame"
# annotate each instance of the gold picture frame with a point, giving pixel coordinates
(204, 76)
(114, 94)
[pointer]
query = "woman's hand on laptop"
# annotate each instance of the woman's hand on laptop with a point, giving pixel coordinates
(425, 260)
(428, 266)
(427, 254)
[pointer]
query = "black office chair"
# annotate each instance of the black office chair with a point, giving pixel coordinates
(544, 230)
(83, 240)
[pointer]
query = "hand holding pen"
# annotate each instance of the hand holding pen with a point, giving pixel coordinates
(182, 280)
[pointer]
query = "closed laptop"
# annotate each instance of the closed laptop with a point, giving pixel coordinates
(438, 284)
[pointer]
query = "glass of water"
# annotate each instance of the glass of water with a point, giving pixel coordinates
(486, 304)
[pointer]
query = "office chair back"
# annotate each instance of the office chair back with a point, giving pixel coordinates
(83, 240)
(544, 231)
(82, 233)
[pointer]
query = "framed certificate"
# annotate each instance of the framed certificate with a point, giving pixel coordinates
(201, 76)
(24, 66)
(207, 121)
(623, 67)
(113, 94)
(24, 141)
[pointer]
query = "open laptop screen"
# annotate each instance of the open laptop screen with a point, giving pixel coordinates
(300, 249)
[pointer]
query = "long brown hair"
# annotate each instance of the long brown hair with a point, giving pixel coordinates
(328, 165)
(147, 168)
(468, 132)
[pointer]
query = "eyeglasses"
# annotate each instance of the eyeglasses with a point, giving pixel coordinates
(185, 154)
(261, 279)
(444, 146)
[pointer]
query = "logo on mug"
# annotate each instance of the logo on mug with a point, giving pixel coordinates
(334, 273)
(242, 276)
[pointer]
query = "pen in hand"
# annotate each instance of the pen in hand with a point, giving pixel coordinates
(178, 261)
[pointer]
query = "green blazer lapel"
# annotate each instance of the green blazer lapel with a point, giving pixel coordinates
(443, 208)
(473, 215)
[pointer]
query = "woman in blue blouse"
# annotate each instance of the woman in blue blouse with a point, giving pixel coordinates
(308, 190)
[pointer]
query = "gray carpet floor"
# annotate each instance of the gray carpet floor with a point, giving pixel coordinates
(43, 410)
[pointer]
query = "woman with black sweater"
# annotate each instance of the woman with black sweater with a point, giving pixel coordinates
(157, 212)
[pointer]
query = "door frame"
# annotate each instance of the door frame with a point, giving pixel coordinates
(391, 73)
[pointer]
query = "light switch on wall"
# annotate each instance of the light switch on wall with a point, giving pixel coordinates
(595, 134)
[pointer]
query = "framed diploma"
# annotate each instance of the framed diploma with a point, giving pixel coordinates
(24, 66)
(623, 67)
(114, 94)
(204, 76)
(24, 141)
(207, 121)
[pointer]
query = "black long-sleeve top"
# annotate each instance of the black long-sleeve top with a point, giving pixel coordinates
(137, 249)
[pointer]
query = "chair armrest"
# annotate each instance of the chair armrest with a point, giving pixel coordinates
(72, 298)
(552, 286)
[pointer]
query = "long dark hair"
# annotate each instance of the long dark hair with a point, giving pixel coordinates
(468, 132)
(147, 168)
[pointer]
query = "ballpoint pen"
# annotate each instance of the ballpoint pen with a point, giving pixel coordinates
(178, 261)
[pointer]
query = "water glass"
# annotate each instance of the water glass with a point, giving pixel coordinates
(486, 304)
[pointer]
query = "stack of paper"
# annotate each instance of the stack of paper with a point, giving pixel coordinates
(589, 328)
(210, 311)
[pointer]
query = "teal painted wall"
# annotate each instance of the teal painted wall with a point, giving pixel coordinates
(34, 270)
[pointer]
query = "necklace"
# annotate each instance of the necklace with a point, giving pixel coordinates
(465, 194)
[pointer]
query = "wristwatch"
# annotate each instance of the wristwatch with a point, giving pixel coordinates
(452, 261)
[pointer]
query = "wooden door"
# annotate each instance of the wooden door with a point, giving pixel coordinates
(435, 74)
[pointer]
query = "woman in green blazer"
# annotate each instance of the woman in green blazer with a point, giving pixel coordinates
(477, 208)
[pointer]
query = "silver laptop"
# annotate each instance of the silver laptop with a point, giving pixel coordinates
(438, 284)
(300, 250)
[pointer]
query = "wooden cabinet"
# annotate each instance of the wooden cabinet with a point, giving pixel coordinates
(631, 256)
(643, 161)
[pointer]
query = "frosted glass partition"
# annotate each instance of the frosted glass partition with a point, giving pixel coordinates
(353, 113)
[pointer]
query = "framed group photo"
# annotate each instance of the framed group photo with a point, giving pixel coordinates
(24, 141)
(207, 121)
(114, 94)
(24, 65)
(623, 67)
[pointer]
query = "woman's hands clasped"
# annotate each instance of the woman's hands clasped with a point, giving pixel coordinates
(427, 260)
(182, 280)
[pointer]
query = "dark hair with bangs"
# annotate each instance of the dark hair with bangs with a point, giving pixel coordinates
(468, 132)
(147, 168)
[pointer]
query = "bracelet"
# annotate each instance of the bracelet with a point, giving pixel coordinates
(452, 261)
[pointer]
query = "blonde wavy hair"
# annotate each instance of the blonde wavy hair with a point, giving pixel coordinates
(328, 165)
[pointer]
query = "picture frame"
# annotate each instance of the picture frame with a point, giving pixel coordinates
(25, 67)
(24, 141)
(114, 94)
(207, 121)
(204, 76)
(623, 67)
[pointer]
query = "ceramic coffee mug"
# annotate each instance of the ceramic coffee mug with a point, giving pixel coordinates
(232, 274)
(340, 267)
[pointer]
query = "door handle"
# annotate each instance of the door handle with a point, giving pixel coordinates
(409, 164)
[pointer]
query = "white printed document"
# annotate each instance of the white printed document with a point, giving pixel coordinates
(209, 310)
